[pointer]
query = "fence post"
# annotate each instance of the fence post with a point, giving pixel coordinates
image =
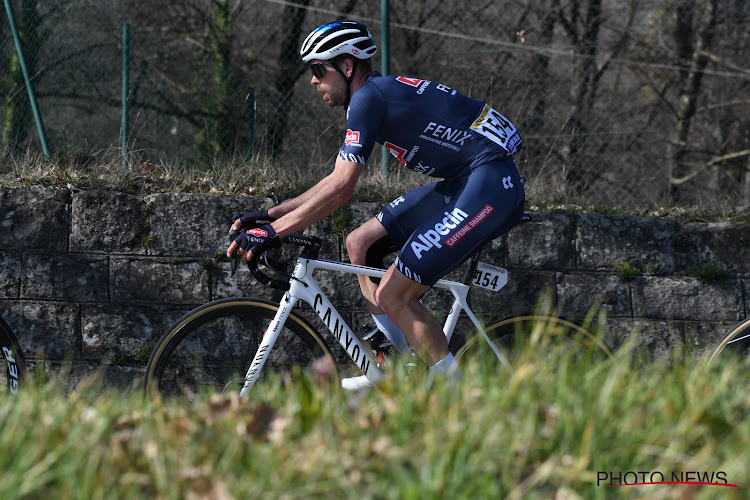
(125, 89)
(250, 110)
(27, 79)
(385, 60)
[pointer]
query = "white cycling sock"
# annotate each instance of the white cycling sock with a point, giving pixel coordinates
(447, 366)
(393, 332)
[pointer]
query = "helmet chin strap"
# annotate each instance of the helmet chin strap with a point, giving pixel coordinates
(348, 80)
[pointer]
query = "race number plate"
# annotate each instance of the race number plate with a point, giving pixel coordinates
(490, 277)
(498, 129)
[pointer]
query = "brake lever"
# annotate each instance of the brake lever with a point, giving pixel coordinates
(235, 257)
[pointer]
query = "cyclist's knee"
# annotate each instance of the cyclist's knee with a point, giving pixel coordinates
(386, 299)
(356, 247)
(396, 293)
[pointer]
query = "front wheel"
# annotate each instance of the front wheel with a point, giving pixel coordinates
(535, 337)
(210, 348)
(735, 343)
(12, 374)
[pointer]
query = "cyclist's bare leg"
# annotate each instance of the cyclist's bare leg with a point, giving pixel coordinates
(357, 243)
(399, 298)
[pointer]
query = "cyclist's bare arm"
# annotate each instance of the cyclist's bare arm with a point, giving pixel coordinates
(340, 182)
(319, 201)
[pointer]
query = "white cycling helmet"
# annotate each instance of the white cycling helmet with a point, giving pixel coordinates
(337, 38)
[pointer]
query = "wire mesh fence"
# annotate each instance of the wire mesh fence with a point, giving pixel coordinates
(627, 104)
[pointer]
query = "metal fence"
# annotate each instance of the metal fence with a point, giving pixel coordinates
(620, 104)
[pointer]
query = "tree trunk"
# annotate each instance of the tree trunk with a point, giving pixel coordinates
(586, 45)
(690, 88)
(289, 72)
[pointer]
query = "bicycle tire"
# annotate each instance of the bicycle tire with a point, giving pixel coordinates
(512, 333)
(211, 347)
(13, 373)
(736, 342)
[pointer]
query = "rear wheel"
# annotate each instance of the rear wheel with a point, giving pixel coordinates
(211, 347)
(535, 337)
(12, 374)
(735, 343)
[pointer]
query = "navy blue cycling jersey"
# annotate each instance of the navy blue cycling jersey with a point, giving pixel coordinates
(429, 128)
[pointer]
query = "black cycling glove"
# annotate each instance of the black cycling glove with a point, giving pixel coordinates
(250, 218)
(258, 240)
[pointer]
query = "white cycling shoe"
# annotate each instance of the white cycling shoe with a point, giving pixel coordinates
(381, 348)
(356, 383)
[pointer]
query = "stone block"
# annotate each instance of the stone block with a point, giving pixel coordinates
(108, 221)
(359, 213)
(494, 252)
(603, 241)
(121, 333)
(545, 243)
(723, 243)
(355, 215)
(242, 284)
(578, 293)
(113, 376)
(332, 247)
(49, 330)
(341, 289)
(195, 224)
(65, 277)
(525, 292)
(10, 276)
(687, 298)
(701, 337)
(161, 281)
(34, 218)
(649, 339)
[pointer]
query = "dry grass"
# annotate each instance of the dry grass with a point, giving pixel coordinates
(235, 176)
(282, 179)
(550, 429)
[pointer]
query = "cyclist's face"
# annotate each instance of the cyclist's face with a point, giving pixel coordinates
(331, 84)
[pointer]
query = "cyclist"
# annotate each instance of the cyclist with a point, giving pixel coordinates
(429, 128)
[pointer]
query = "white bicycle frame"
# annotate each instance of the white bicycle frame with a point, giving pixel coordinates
(304, 287)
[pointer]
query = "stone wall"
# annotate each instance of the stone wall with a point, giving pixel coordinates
(95, 277)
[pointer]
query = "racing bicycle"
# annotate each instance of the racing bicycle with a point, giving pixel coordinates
(12, 374)
(232, 344)
(736, 342)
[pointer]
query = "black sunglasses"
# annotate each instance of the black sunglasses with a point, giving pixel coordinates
(319, 69)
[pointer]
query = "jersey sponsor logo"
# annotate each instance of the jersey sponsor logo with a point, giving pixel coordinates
(417, 83)
(466, 228)
(446, 89)
(396, 151)
(257, 232)
(453, 135)
(352, 157)
(352, 138)
(413, 82)
(411, 154)
(423, 169)
(431, 238)
(508, 182)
